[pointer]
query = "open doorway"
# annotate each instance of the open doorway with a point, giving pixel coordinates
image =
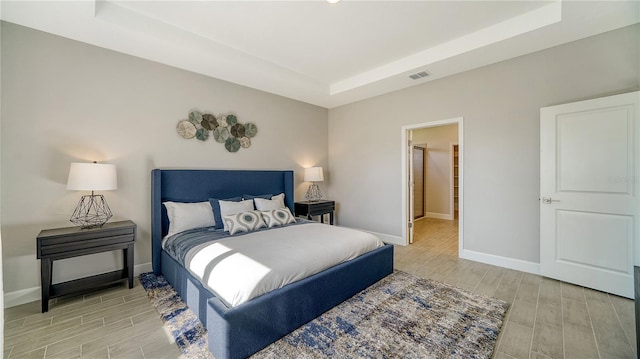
(441, 197)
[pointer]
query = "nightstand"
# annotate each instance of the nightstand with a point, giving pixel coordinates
(68, 242)
(317, 208)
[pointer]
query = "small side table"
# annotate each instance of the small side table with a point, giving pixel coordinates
(68, 242)
(316, 208)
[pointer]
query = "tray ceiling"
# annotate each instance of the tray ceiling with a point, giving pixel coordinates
(321, 53)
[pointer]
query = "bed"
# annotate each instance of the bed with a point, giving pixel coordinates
(240, 331)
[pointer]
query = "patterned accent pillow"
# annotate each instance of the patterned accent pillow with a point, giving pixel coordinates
(228, 208)
(278, 217)
(244, 222)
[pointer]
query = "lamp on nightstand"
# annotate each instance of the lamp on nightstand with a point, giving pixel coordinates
(313, 175)
(92, 210)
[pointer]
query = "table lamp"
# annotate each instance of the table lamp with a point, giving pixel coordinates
(313, 175)
(92, 210)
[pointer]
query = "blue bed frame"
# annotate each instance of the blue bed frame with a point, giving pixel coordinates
(243, 330)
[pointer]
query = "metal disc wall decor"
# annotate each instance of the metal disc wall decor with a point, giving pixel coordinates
(221, 134)
(186, 129)
(223, 128)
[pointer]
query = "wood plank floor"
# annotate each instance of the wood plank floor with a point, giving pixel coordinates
(117, 322)
(547, 318)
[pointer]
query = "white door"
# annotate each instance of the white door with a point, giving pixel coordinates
(589, 192)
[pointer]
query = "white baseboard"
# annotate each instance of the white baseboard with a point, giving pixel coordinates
(22, 296)
(446, 216)
(505, 262)
(142, 268)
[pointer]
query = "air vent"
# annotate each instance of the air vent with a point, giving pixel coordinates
(419, 75)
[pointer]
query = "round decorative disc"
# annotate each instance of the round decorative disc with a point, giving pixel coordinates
(213, 123)
(232, 120)
(250, 129)
(195, 117)
(205, 125)
(202, 134)
(221, 134)
(222, 121)
(186, 129)
(232, 144)
(237, 130)
(245, 142)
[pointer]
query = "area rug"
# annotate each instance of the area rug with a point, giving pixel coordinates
(399, 316)
(183, 324)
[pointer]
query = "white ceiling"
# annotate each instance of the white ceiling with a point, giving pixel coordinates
(321, 53)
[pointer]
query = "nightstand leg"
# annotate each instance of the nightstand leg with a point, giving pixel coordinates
(46, 265)
(322, 218)
(331, 218)
(129, 264)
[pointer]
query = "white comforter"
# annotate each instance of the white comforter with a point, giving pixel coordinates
(238, 269)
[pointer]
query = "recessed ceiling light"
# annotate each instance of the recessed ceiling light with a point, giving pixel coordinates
(333, 1)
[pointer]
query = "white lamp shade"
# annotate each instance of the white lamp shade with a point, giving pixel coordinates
(92, 177)
(313, 174)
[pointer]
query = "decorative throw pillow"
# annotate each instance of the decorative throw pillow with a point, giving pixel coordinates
(228, 208)
(278, 217)
(184, 216)
(244, 222)
(280, 198)
(215, 206)
(252, 196)
(275, 202)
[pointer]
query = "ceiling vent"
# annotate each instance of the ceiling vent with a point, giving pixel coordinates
(419, 75)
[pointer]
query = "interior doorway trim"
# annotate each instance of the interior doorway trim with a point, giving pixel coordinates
(405, 182)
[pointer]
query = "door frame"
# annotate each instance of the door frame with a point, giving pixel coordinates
(404, 136)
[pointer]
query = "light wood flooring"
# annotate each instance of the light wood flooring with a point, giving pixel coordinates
(114, 323)
(546, 319)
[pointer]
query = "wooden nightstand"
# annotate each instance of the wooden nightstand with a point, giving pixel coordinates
(68, 242)
(318, 208)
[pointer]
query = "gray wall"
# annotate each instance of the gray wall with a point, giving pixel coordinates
(500, 105)
(65, 101)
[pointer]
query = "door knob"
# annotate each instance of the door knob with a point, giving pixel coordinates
(548, 200)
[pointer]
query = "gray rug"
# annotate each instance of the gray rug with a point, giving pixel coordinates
(400, 316)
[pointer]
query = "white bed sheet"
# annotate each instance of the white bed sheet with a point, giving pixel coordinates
(238, 269)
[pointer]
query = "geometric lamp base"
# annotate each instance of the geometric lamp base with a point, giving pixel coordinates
(313, 193)
(92, 211)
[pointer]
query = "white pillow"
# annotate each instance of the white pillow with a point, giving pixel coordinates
(278, 217)
(276, 202)
(184, 216)
(228, 208)
(244, 222)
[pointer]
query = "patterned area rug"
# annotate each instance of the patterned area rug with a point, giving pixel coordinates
(400, 316)
(181, 322)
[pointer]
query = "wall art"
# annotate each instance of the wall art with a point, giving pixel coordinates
(224, 129)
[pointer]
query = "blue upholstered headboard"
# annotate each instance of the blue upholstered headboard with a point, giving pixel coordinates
(200, 185)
